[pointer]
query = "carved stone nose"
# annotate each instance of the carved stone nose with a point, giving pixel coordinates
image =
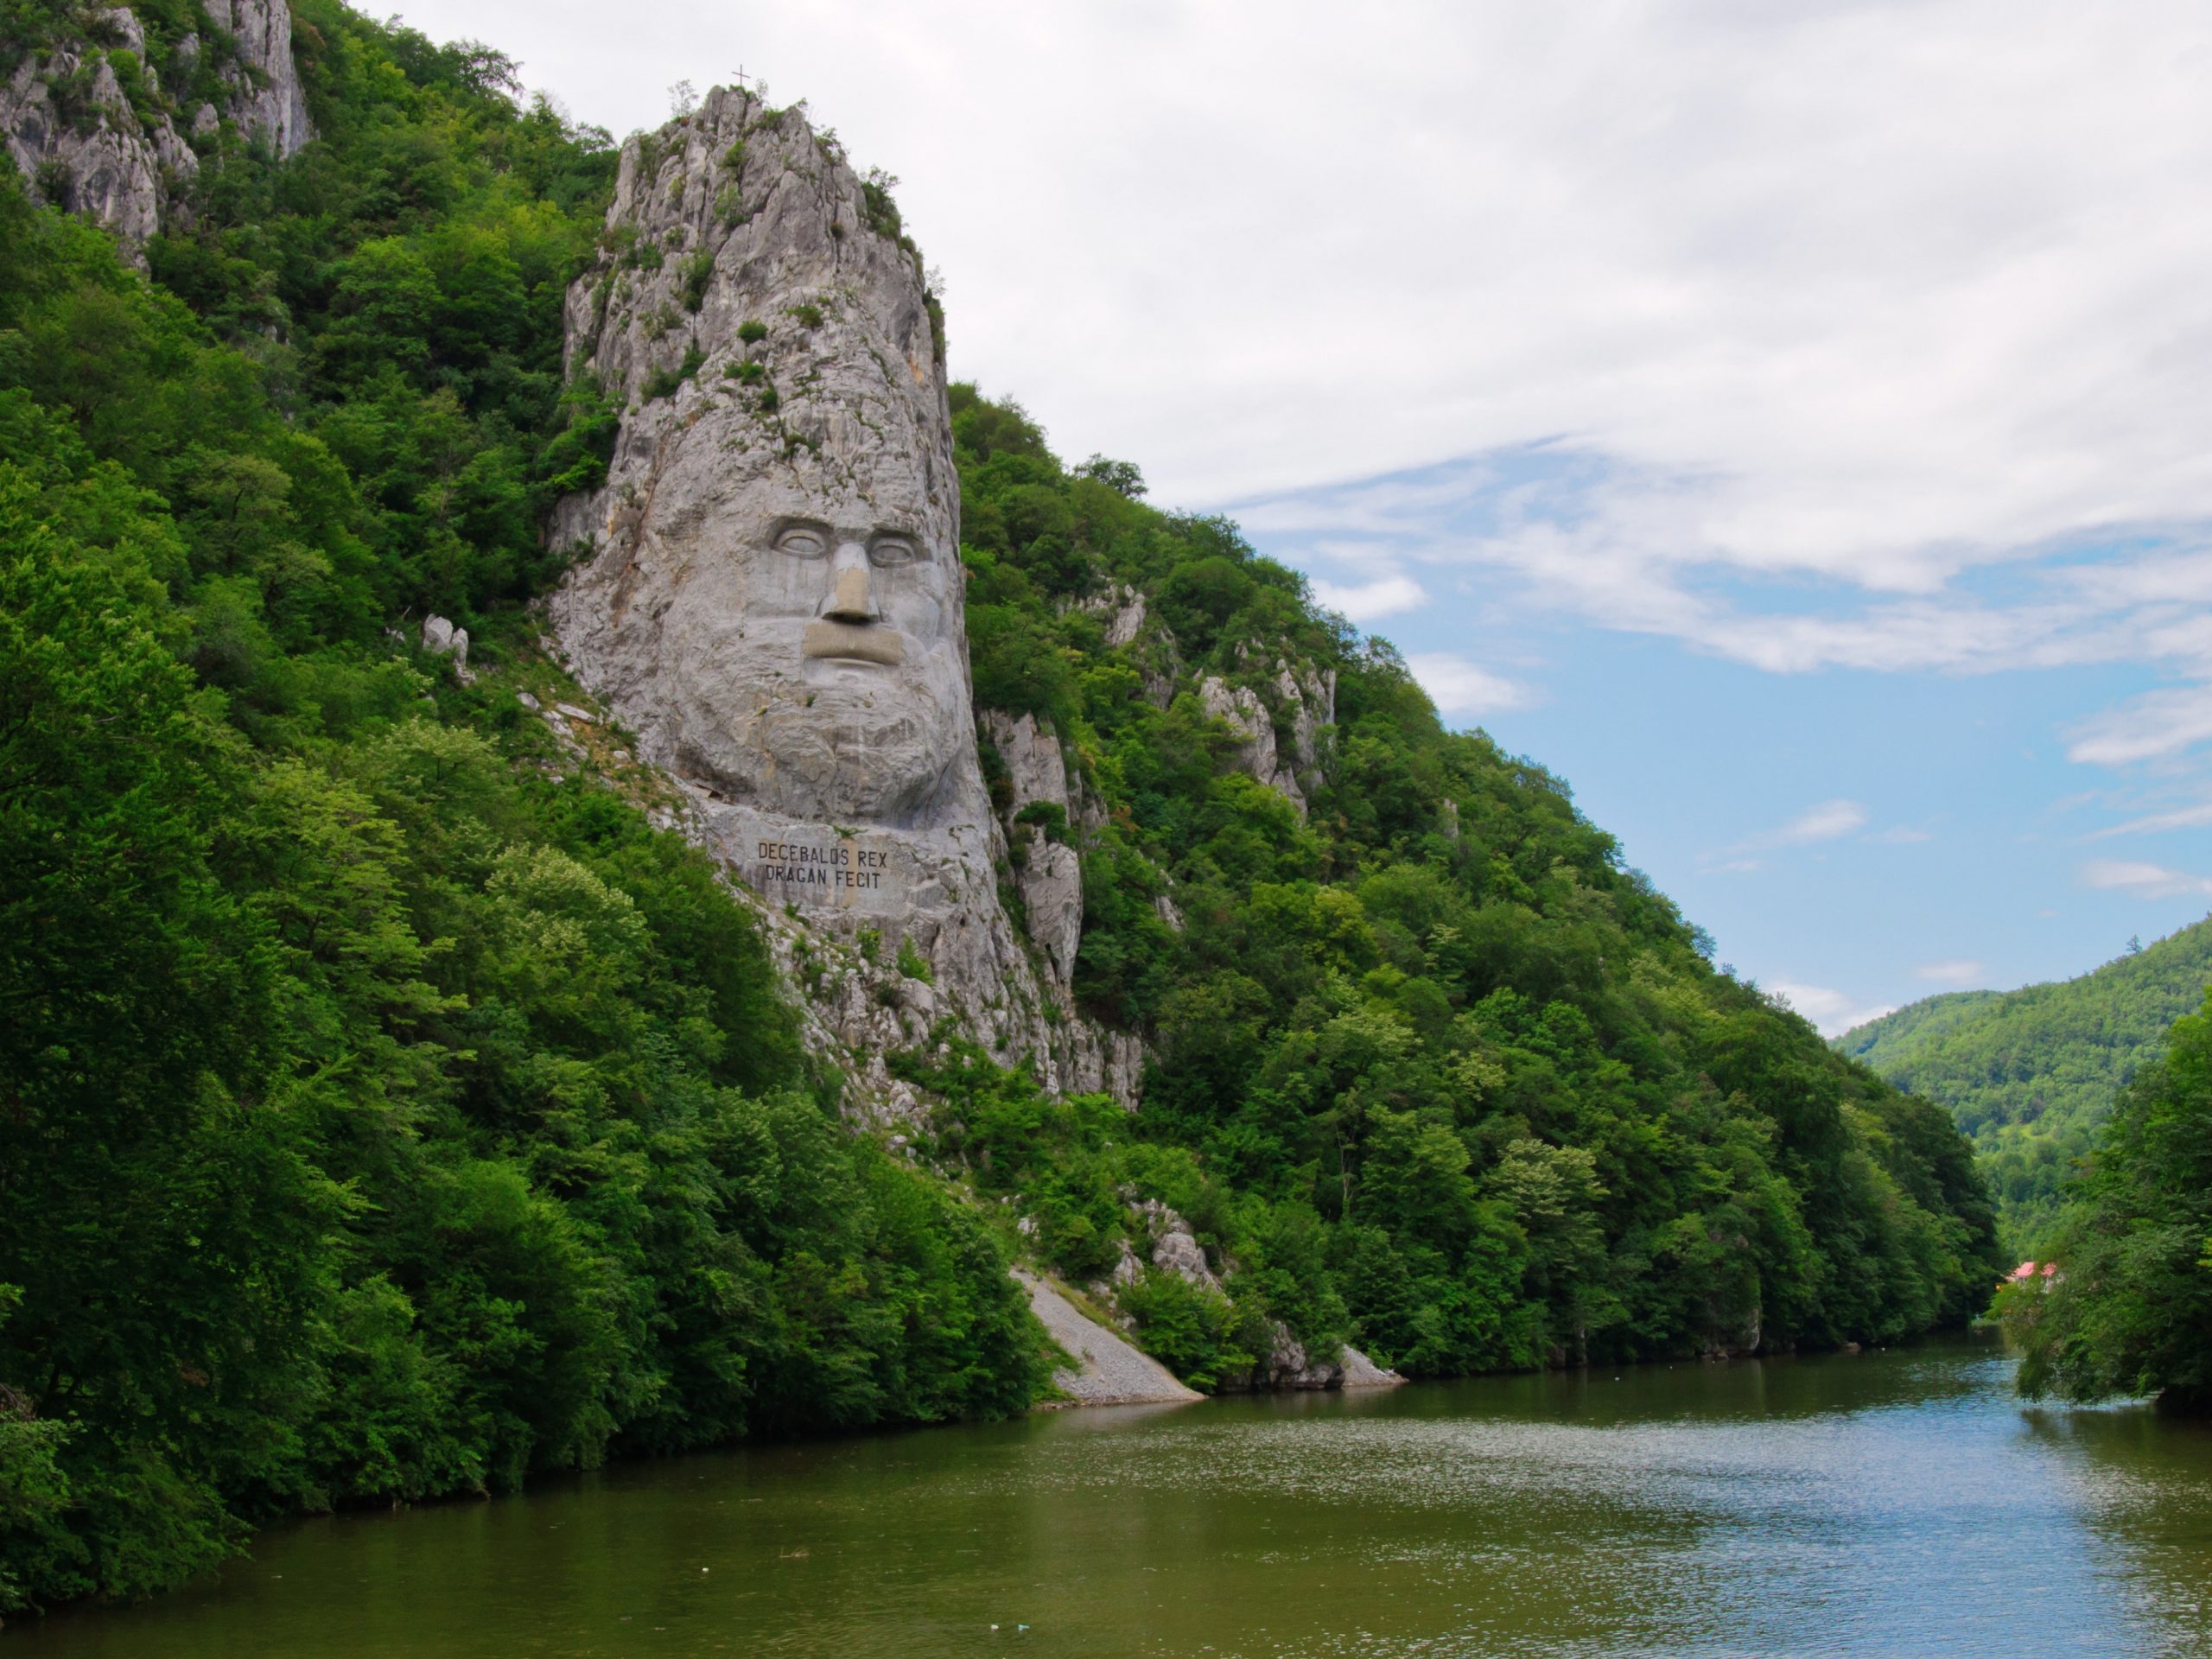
(850, 599)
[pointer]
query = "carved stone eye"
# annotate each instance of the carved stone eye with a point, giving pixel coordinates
(802, 542)
(893, 550)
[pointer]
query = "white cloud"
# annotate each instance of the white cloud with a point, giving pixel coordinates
(1460, 688)
(2146, 881)
(1385, 596)
(1825, 822)
(1828, 820)
(1875, 290)
(1832, 1012)
(1960, 972)
(2159, 724)
(1875, 298)
(2181, 817)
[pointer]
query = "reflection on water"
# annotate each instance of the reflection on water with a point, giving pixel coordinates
(1891, 1504)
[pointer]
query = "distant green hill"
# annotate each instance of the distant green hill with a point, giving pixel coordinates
(2030, 1074)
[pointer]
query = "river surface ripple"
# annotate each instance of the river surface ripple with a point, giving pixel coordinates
(1901, 1502)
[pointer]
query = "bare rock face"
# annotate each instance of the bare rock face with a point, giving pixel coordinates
(97, 159)
(1049, 873)
(769, 589)
(87, 148)
(265, 98)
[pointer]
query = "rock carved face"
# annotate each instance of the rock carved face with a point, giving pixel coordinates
(824, 672)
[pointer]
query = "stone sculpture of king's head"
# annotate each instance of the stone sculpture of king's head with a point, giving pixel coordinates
(771, 594)
(767, 588)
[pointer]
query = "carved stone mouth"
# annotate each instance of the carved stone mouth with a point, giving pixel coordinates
(851, 642)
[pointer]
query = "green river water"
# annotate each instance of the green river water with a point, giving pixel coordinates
(1886, 1503)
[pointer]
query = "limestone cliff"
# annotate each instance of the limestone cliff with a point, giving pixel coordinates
(86, 141)
(769, 592)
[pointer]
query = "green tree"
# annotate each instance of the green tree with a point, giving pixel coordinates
(2129, 1311)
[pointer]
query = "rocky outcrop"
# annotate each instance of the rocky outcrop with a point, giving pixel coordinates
(1239, 708)
(1123, 607)
(83, 142)
(442, 639)
(1306, 697)
(1307, 701)
(1175, 1248)
(1288, 1368)
(93, 159)
(1048, 873)
(768, 591)
(1105, 1369)
(1359, 1371)
(265, 100)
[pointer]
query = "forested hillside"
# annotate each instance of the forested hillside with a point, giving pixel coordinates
(1434, 1068)
(388, 1109)
(2032, 1074)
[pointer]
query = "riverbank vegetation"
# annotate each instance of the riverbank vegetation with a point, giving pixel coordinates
(391, 1110)
(2127, 1308)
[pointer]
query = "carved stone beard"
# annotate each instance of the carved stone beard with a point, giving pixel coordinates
(843, 743)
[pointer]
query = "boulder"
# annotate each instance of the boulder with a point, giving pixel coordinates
(440, 638)
(1289, 1370)
(1358, 1371)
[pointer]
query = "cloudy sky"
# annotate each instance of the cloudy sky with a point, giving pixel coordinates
(1787, 423)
